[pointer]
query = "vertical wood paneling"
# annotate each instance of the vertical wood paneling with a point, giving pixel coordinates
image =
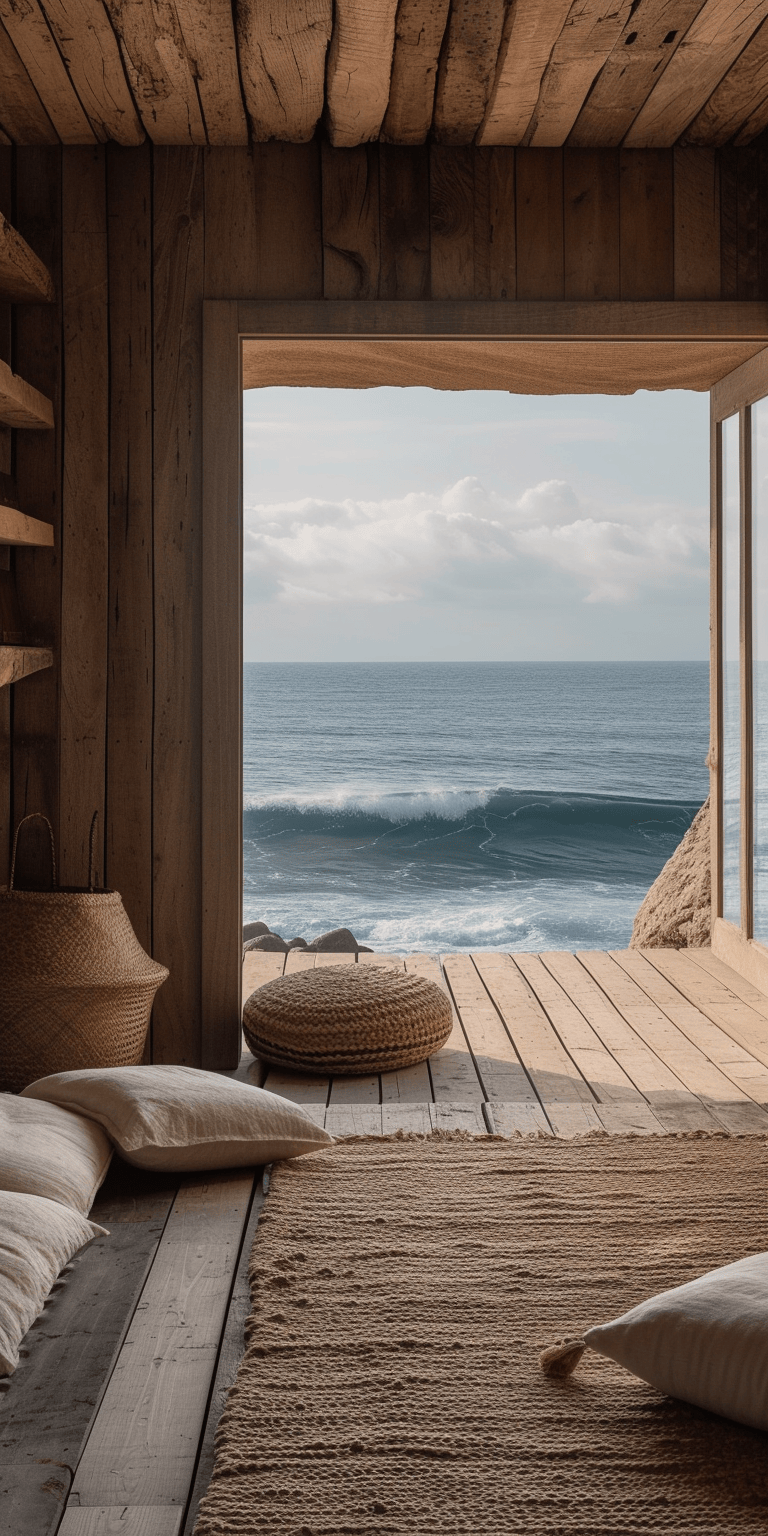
(6, 207)
(540, 252)
(748, 217)
(289, 226)
(745, 667)
(452, 222)
(85, 510)
(729, 243)
(697, 224)
(647, 224)
(38, 474)
(231, 253)
(130, 684)
(503, 233)
(351, 243)
(591, 224)
(404, 219)
(176, 796)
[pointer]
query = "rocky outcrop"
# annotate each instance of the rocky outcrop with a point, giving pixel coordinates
(253, 931)
(271, 942)
(677, 911)
(339, 941)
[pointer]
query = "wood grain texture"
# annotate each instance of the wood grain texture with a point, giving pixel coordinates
(21, 405)
(358, 70)
(282, 51)
(85, 512)
(288, 245)
(452, 1069)
(696, 224)
(737, 107)
(18, 661)
(37, 215)
(38, 50)
(22, 114)
(452, 222)
(713, 41)
(178, 257)
(131, 638)
(351, 241)
(650, 35)
(143, 1443)
(497, 1060)
(647, 225)
(31, 1498)
(181, 62)
(24, 278)
(467, 66)
(540, 249)
(222, 672)
(591, 224)
(529, 35)
(713, 997)
(589, 34)
(208, 31)
(419, 31)
(404, 222)
(122, 1520)
(90, 51)
(17, 528)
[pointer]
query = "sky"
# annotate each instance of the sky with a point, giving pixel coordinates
(421, 525)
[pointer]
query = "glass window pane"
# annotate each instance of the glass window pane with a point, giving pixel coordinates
(760, 665)
(731, 775)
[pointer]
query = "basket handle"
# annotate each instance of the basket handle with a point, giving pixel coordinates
(34, 816)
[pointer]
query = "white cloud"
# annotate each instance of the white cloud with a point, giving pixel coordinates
(468, 539)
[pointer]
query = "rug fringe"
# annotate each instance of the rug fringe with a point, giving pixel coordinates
(594, 1134)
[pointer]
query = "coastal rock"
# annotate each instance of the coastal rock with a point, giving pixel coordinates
(339, 940)
(253, 931)
(297, 944)
(677, 911)
(271, 942)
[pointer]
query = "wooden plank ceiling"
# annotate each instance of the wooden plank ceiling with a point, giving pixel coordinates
(588, 73)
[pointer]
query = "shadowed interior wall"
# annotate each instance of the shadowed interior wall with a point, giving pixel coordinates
(135, 239)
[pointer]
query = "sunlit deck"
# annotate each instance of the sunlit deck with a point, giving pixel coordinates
(651, 1042)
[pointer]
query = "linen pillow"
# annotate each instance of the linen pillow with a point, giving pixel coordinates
(37, 1238)
(705, 1342)
(49, 1151)
(181, 1120)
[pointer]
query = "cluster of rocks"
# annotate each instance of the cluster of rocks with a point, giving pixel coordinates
(677, 911)
(339, 941)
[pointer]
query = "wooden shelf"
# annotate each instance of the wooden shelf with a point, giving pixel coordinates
(23, 277)
(17, 528)
(17, 661)
(20, 404)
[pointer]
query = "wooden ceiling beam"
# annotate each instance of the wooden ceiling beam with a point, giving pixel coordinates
(530, 33)
(711, 45)
(22, 114)
(590, 33)
(651, 34)
(467, 68)
(159, 69)
(359, 69)
(36, 47)
(282, 51)
(208, 30)
(91, 54)
(419, 31)
(738, 108)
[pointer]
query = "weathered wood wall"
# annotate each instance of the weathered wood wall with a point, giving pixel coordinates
(135, 239)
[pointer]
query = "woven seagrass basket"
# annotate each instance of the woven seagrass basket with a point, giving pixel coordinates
(347, 1020)
(77, 988)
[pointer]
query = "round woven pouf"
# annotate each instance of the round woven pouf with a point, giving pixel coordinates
(347, 1020)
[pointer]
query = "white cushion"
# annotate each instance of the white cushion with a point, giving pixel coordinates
(49, 1151)
(705, 1342)
(37, 1238)
(180, 1120)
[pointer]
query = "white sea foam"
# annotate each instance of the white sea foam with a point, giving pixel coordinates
(444, 802)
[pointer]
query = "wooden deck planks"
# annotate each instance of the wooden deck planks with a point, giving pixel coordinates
(738, 1019)
(452, 1069)
(122, 1521)
(143, 1445)
(675, 1106)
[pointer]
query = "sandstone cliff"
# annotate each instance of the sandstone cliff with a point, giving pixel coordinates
(676, 913)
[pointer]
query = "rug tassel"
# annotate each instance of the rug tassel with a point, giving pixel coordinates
(562, 1359)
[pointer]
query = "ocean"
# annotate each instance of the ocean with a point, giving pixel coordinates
(457, 806)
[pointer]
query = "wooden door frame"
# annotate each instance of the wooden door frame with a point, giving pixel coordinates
(226, 324)
(736, 393)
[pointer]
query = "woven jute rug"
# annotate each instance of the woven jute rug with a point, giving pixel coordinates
(401, 1293)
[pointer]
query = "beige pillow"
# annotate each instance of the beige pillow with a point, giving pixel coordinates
(180, 1120)
(49, 1151)
(37, 1238)
(705, 1342)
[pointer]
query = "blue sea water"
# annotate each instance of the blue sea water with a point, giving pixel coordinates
(461, 806)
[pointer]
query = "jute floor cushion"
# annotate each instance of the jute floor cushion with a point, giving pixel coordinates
(347, 1019)
(401, 1294)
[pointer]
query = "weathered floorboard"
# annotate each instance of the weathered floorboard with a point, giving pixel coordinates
(739, 1020)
